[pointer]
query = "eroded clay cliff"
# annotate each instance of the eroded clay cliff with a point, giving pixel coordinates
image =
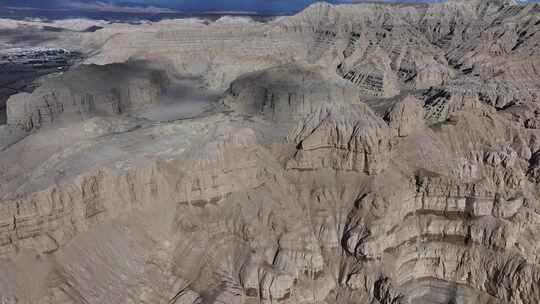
(367, 153)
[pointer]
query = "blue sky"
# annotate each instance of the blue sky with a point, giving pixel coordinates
(181, 5)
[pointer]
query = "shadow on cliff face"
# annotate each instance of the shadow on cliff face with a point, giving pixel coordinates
(4, 95)
(184, 97)
(3, 115)
(179, 97)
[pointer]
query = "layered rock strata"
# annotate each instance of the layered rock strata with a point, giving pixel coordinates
(367, 153)
(85, 92)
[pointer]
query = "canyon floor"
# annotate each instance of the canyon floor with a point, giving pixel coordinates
(364, 153)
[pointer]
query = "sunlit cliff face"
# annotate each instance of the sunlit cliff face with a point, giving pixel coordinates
(356, 153)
